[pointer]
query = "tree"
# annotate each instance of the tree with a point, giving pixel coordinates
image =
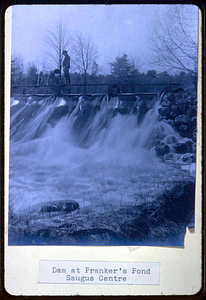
(174, 39)
(32, 75)
(56, 39)
(17, 70)
(84, 52)
(125, 70)
(95, 68)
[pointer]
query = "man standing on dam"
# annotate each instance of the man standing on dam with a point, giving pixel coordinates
(66, 66)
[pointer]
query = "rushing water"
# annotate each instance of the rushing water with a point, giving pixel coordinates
(98, 159)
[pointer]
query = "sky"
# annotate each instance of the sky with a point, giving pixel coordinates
(115, 29)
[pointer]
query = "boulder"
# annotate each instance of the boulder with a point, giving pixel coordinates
(66, 206)
(170, 122)
(164, 111)
(178, 90)
(185, 131)
(162, 149)
(192, 111)
(182, 119)
(180, 148)
(171, 139)
(194, 121)
(189, 146)
(188, 158)
(48, 208)
(69, 206)
(182, 105)
(160, 135)
(166, 103)
(194, 135)
(184, 128)
(163, 118)
(169, 97)
(169, 156)
(175, 109)
(173, 115)
(194, 148)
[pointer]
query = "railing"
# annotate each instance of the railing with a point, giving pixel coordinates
(119, 89)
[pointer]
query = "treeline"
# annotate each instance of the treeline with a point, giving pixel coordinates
(123, 71)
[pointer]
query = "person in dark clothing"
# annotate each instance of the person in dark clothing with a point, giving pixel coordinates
(54, 77)
(66, 66)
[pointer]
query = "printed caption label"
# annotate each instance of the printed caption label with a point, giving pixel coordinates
(90, 272)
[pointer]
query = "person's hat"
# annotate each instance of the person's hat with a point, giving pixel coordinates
(64, 52)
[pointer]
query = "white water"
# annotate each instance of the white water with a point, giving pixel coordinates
(111, 161)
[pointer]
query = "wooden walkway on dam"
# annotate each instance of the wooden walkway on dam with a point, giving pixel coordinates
(112, 90)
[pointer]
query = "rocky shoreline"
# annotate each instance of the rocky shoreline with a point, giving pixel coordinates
(179, 109)
(160, 222)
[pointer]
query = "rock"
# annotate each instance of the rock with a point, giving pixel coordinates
(162, 149)
(184, 128)
(185, 131)
(178, 90)
(164, 111)
(178, 203)
(65, 206)
(173, 115)
(194, 148)
(194, 135)
(182, 105)
(163, 118)
(69, 206)
(160, 135)
(171, 139)
(182, 119)
(175, 109)
(169, 156)
(194, 121)
(48, 208)
(188, 158)
(192, 111)
(189, 146)
(170, 122)
(180, 148)
(65, 225)
(166, 103)
(170, 97)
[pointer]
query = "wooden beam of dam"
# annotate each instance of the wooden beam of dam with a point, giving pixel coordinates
(95, 84)
(87, 94)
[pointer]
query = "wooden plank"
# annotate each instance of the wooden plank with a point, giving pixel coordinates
(95, 84)
(87, 94)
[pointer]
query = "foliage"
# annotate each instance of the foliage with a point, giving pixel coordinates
(123, 70)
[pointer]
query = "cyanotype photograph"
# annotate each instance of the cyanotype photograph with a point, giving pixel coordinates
(103, 114)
